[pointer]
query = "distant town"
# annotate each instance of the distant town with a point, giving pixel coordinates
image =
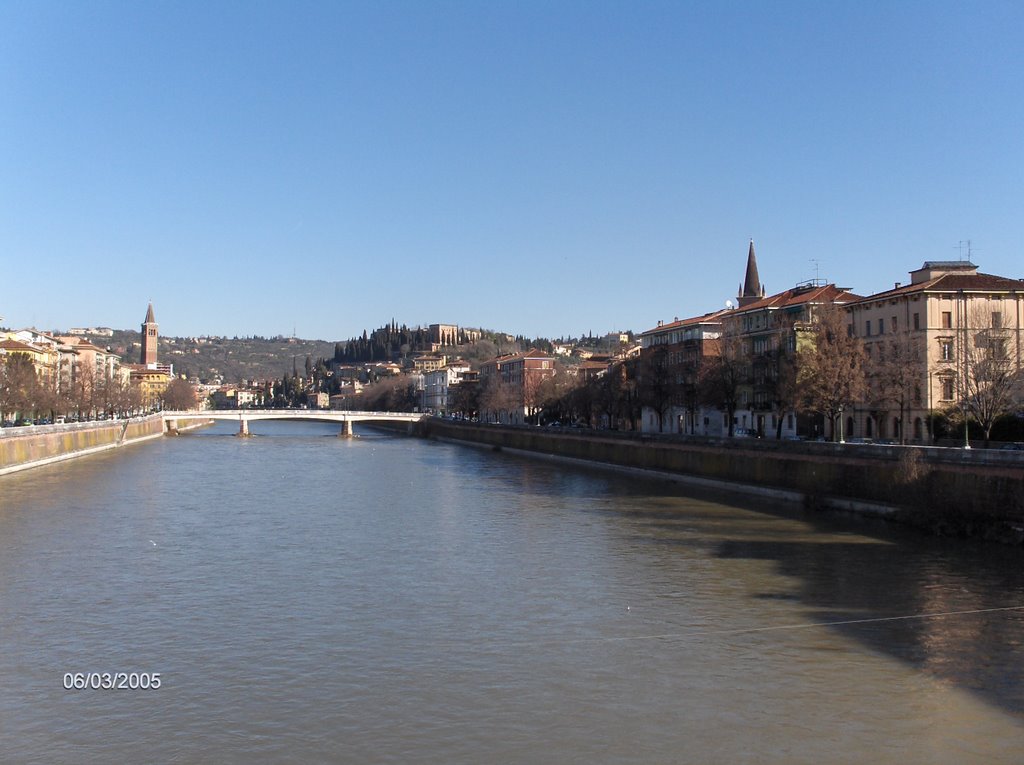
(935, 358)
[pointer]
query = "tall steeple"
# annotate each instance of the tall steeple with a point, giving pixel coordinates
(751, 291)
(149, 338)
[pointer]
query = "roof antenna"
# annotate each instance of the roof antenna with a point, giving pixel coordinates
(817, 281)
(961, 245)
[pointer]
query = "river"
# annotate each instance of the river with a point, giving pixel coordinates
(305, 598)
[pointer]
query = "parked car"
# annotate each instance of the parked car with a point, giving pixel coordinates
(1016, 446)
(743, 433)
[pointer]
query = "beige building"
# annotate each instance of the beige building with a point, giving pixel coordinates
(921, 340)
(428, 363)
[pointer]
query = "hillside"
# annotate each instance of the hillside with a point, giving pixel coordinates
(230, 359)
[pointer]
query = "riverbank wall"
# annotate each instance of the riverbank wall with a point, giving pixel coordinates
(944, 491)
(25, 448)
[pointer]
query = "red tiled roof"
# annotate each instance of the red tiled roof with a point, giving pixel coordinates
(16, 346)
(708, 318)
(953, 283)
(828, 293)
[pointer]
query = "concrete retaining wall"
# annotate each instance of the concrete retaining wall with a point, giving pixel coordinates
(965, 500)
(23, 448)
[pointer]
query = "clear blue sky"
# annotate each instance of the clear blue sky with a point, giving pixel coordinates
(545, 168)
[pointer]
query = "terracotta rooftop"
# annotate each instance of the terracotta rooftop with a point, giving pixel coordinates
(828, 293)
(708, 318)
(953, 283)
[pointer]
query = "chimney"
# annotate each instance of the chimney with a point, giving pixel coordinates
(897, 286)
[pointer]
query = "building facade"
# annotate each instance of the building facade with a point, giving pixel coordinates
(511, 386)
(926, 343)
(437, 384)
(676, 352)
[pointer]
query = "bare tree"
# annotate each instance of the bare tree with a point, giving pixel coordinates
(19, 385)
(990, 373)
(83, 392)
(721, 375)
(390, 394)
(830, 363)
(555, 395)
(499, 398)
(785, 391)
(180, 395)
(890, 379)
(657, 386)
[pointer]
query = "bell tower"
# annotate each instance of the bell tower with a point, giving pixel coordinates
(149, 338)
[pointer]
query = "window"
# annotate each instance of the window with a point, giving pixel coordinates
(997, 320)
(946, 350)
(867, 328)
(917, 321)
(893, 324)
(947, 389)
(947, 319)
(881, 326)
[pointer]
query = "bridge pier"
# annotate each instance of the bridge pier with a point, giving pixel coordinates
(346, 429)
(243, 428)
(172, 427)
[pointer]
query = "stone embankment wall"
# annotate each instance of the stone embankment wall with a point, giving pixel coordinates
(942, 490)
(23, 448)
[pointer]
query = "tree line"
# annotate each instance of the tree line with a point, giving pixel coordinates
(30, 396)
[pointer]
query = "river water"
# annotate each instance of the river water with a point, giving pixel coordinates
(306, 598)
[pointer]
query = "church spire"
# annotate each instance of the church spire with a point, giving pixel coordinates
(751, 283)
(149, 316)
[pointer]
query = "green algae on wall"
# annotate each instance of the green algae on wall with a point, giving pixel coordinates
(44, 444)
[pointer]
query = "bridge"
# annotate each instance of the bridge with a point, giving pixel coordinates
(244, 416)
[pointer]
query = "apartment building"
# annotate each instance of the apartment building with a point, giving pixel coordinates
(511, 386)
(924, 341)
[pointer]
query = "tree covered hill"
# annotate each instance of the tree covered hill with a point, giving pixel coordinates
(229, 359)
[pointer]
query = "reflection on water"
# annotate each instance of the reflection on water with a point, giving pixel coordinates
(310, 598)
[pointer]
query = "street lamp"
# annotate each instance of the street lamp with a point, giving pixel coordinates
(841, 425)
